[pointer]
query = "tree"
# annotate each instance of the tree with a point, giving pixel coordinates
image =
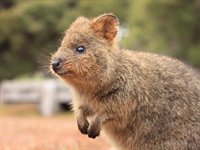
(32, 28)
(168, 27)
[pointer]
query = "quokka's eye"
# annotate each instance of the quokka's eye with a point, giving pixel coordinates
(80, 49)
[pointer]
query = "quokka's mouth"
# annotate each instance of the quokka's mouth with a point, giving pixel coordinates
(64, 73)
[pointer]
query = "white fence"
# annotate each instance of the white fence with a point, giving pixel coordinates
(47, 94)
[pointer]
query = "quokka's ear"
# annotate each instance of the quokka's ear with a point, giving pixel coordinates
(106, 26)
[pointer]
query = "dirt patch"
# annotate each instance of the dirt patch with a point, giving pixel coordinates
(39, 133)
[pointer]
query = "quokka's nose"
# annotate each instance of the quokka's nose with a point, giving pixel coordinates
(56, 64)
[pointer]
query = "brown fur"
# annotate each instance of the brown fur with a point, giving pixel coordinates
(142, 101)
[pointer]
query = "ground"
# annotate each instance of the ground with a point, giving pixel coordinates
(23, 129)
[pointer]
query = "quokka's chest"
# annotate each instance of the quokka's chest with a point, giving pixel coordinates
(92, 104)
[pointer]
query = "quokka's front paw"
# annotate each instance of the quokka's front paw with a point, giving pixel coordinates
(83, 126)
(93, 131)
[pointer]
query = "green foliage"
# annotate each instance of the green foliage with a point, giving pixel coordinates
(27, 30)
(168, 27)
(30, 28)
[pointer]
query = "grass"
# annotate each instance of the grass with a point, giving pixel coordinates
(19, 110)
(30, 110)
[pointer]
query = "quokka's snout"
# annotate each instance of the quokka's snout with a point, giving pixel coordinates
(56, 64)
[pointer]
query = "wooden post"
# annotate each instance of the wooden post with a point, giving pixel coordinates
(49, 103)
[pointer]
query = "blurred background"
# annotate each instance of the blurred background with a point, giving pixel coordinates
(34, 107)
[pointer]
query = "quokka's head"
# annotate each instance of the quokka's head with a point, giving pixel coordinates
(86, 48)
